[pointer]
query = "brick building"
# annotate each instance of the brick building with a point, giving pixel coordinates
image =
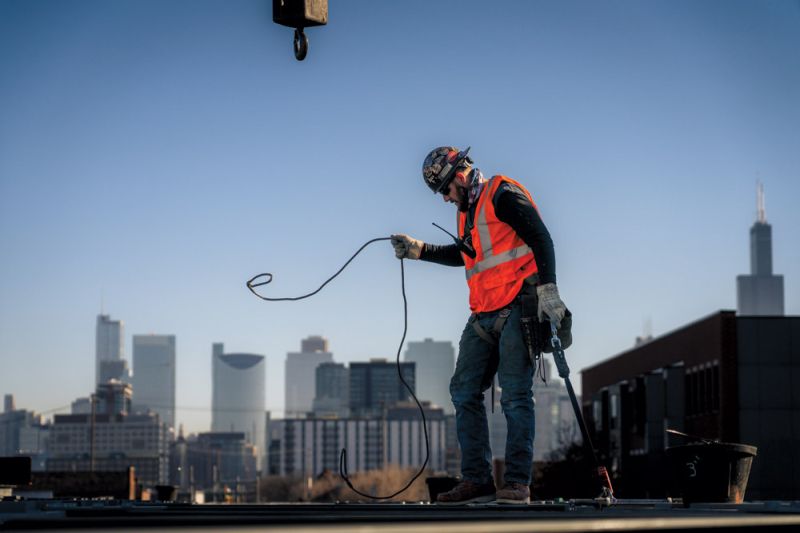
(727, 377)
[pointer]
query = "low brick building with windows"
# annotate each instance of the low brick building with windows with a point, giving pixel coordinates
(727, 377)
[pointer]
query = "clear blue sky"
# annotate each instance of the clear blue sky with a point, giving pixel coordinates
(163, 153)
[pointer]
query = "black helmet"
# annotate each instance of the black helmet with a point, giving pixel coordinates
(441, 165)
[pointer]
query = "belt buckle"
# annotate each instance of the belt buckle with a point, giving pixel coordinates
(505, 312)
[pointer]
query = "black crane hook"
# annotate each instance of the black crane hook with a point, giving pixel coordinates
(300, 44)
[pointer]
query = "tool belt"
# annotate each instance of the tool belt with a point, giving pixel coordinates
(537, 334)
(493, 336)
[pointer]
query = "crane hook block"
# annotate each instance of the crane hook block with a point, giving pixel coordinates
(300, 14)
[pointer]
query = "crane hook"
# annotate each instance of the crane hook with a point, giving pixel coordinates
(300, 44)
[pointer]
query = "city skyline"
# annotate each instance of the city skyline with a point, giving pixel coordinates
(155, 156)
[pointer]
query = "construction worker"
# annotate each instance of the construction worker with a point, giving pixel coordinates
(507, 252)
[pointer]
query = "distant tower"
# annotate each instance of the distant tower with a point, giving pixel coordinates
(377, 381)
(238, 396)
(300, 374)
(435, 362)
(109, 343)
(9, 405)
(332, 391)
(760, 293)
(154, 375)
(116, 370)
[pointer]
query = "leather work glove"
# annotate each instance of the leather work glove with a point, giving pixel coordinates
(405, 247)
(550, 305)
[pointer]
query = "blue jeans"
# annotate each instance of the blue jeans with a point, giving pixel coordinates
(475, 369)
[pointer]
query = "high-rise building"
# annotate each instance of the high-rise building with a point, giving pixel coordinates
(117, 370)
(108, 343)
(435, 362)
(238, 396)
(331, 390)
(377, 383)
(8, 403)
(314, 344)
(760, 293)
(154, 375)
(113, 398)
(300, 374)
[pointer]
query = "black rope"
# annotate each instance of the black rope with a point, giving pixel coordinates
(250, 283)
(343, 456)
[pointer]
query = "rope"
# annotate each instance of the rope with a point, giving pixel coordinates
(343, 456)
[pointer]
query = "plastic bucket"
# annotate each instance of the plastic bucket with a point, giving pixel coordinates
(437, 485)
(712, 472)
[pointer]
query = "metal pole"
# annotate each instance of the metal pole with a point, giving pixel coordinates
(600, 472)
(191, 484)
(383, 434)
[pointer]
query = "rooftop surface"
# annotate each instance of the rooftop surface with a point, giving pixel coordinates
(420, 517)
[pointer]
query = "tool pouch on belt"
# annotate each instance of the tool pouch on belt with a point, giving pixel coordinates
(537, 334)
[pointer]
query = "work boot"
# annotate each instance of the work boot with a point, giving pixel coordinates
(514, 493)
(468, 492)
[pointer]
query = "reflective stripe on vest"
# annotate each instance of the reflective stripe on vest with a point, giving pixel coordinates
(494, 260)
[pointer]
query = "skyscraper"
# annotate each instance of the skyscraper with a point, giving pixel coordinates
(377, 381)
(238, 396)
(331, 390)
(300, 374)
(154, 375)
(8, 403)
(112, 398)
(760, 293)
(108, 343)
(435, 362)
(117, 370)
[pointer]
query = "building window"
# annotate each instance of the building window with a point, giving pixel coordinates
(702, 390)
(597, 415)
(715, 387)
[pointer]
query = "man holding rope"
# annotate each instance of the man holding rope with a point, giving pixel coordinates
(507, 252)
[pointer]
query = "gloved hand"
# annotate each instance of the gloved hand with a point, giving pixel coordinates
(405, 247)
(550, 305)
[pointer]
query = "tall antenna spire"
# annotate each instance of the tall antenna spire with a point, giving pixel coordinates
(761, 213)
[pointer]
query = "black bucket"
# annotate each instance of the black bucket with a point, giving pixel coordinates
(712, 472)
(166, 493)
(437, 485)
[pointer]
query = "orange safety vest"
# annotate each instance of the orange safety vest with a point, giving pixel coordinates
(503, 260)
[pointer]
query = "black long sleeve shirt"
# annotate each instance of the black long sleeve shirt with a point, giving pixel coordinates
(511, 206)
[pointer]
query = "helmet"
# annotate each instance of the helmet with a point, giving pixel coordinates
(441, 165)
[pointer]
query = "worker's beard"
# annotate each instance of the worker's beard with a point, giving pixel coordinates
(462, 198)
